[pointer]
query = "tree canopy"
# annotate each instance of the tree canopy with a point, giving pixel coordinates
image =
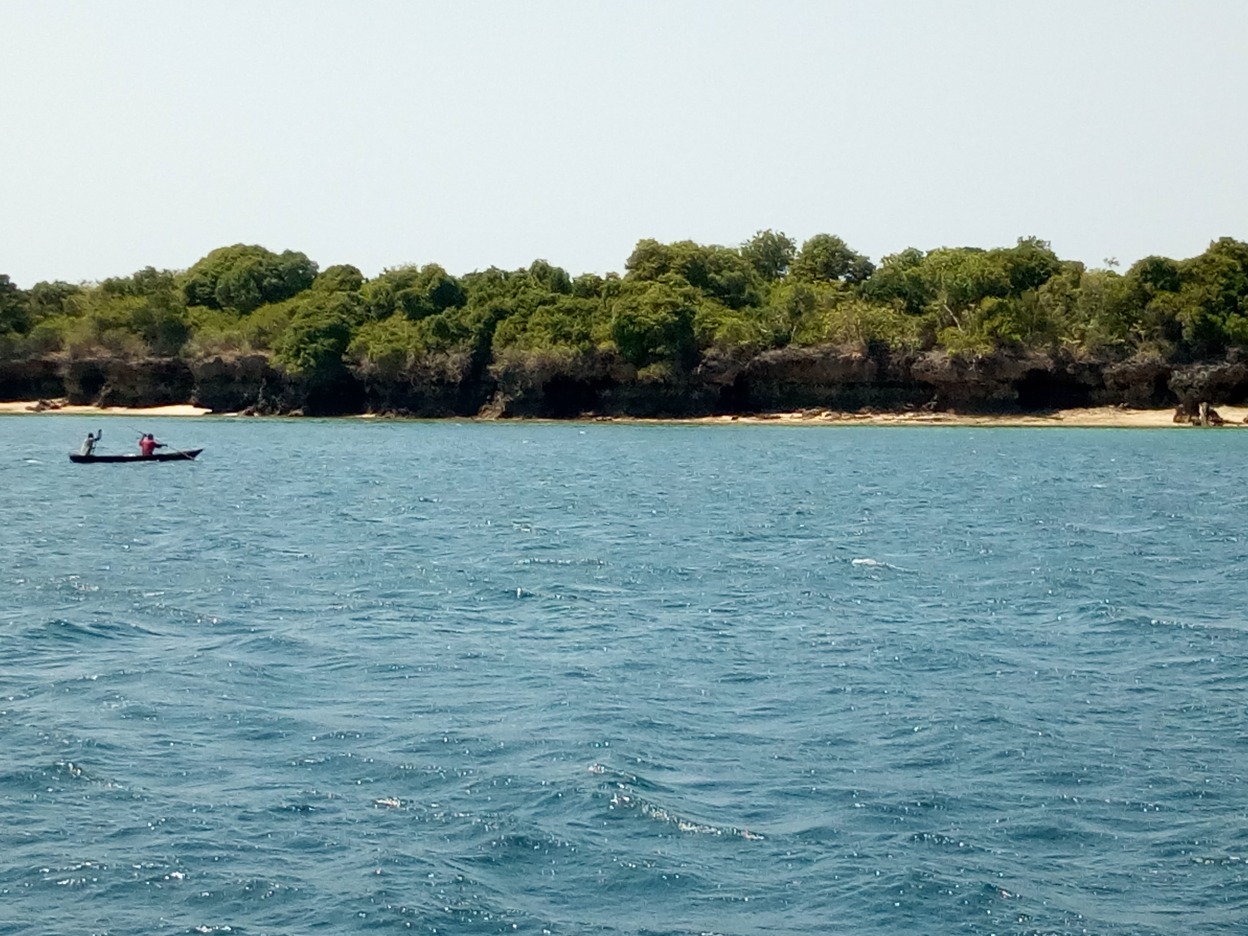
(675, 303)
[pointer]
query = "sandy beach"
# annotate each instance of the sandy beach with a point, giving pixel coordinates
(1100, 417)
(1103, 417)
(52, 407)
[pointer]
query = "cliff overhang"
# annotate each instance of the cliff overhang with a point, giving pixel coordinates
(728, 383)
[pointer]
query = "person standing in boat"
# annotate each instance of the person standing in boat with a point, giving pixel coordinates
(88, 444)
(148, 445)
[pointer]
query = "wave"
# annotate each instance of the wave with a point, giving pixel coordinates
(868, 563)
(624, 796)
(63, 630)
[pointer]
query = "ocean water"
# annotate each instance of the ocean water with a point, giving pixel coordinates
(371, 677)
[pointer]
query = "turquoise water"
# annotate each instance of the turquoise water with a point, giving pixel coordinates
(352, 677)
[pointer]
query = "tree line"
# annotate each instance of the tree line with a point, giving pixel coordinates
(675, 304)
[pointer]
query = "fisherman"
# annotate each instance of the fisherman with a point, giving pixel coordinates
(148, 445)
(88, 444)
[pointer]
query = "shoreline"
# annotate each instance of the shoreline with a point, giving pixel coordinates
(1098, 417)
(1101, 417)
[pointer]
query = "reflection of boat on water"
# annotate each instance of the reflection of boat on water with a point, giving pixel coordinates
(188, 455)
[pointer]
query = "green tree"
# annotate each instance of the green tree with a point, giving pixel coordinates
(52, 299)
(788, 306)
(958, 278)
(827, 258)
(313, 345)
(1152, 288)
(717, 272)
(148, 281)
(591, 285)
(1028, 265)
(14, 309)
(770, 253)
(553, 279)
(1152, 275)
(653, 323)
(1214, 311)
(1090, 309)
(416, 292)
(341, 277)
(389, 347)
(246, 276)
(563, 322)
(900, 280)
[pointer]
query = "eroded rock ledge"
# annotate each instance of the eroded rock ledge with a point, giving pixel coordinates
(781, 380)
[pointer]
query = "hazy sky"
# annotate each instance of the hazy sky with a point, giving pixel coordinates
(471, 134)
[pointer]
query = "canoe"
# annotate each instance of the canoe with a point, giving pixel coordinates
(115, 459)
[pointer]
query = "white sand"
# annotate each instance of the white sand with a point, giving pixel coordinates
(1104, 417)
(58, 406)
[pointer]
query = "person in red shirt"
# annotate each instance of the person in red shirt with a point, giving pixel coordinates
(148, 445)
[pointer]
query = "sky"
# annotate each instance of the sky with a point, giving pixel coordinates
(473, 134)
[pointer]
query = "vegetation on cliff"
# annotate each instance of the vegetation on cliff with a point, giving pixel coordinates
(679, 310)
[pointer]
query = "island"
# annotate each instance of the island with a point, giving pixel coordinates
(763, 330)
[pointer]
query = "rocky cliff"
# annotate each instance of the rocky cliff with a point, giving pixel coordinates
(785, 379)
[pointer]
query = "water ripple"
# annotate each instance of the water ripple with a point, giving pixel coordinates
(677, 680)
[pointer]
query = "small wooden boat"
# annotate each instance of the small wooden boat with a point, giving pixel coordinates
(188, 455)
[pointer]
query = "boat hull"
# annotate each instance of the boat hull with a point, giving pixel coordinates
(188, 455)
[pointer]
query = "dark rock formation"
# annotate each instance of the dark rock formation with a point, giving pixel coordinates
(247, 382)
(828, 378)
(34, 379)
(1223, 382)
(121, 382)
(1198, 414)
(565, 385)
(439, 386)
(1140, 382)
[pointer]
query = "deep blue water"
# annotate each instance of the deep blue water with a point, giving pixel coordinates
(357, 677)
